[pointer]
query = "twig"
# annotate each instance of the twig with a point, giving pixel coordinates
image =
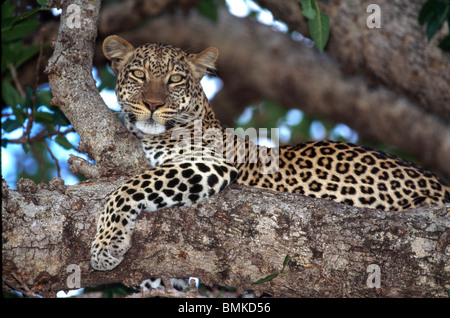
(16, 80)
(40, 136)
(38, 64)
(58, 168)
(30, 122)
(25, 290)
(39, 159)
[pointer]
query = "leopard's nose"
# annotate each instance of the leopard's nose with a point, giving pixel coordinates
(152, 105)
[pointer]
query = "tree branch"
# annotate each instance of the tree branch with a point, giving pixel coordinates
(107, 141)
(232, 239)
(396, 55)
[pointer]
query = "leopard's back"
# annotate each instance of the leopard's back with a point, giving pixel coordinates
(350, 174)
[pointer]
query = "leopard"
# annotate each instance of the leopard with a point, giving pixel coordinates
(193, 156)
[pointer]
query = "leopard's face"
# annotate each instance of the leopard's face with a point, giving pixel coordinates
(158, 86)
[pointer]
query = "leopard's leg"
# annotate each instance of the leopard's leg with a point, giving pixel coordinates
(174, 184)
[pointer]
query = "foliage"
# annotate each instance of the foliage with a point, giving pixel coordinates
(270, 114)
(272, 276)
(208, 8)
(318, 23)
(434, 13)
(28, 118)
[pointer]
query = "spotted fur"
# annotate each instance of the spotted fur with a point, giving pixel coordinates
(193, 156)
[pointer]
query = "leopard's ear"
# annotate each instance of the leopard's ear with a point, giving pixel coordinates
(204, 61)
(118, 51)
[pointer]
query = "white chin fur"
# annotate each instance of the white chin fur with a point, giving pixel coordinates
(150, 129)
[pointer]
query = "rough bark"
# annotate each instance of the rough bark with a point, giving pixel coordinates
(232, 239)
(74, 90)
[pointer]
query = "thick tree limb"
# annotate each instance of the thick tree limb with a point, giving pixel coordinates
(232, 239)
(128, 15)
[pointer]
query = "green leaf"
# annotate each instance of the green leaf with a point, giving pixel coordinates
(434, 13)
(14, 28)
(13, 31)
(20, 113)
(265, 279)
(25, 54)
(319, 29)
(43, 3)
(435, 25)
(29, 13)
(25, 148)
(8, 22)
(10, 125)
(11, 96)
(272, 113)
(7, 10)
(59, 118)
(63, 142)
(9, 53)
(19, 30)
(208, 8)
(28, 94)
(253, 14)
(286, 260)
(43, 98)
(302, 130)
(8, 19)
(444, 44)
(318, 23)
(308, 9)
(426, 13)
(108, 79)
(43, 118)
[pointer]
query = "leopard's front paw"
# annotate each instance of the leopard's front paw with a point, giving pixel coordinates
(102, 260)
(107, 254)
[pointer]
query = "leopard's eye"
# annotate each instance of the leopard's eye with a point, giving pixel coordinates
(138, 73)
(176, 78)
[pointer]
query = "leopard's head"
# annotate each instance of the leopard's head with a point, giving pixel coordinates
(158, 85)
